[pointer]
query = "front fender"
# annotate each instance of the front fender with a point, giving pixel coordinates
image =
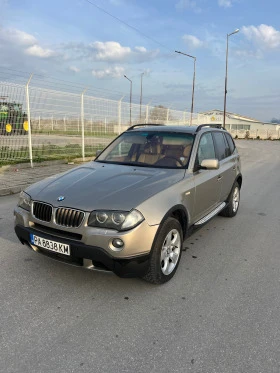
(180, 196)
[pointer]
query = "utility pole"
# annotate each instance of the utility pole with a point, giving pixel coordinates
(193, 85)
(225, 93)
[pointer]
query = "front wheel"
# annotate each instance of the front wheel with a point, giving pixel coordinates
(233, 202)
(166, 252)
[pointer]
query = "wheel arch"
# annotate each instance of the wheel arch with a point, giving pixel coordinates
(180, 213)
(239, 180)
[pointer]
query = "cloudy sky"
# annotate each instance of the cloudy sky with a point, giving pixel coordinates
(74, 41)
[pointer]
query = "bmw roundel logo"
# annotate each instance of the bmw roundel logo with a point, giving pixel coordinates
(61, 198)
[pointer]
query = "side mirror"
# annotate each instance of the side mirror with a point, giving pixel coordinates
(98, 152)
(210, 164)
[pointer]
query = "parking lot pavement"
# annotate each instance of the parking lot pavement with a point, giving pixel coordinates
(219, 314)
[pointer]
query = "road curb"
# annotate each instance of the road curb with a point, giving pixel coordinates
(13, 190)
(13, 181)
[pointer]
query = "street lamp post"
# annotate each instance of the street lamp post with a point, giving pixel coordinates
(141, 96)
(225, 94)
(130, 95)
(194, 68)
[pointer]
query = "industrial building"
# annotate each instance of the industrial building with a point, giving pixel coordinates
(238, 121)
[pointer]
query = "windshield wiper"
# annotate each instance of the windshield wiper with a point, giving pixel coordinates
(140, 164)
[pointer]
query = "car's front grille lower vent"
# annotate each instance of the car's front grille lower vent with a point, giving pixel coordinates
(42, 211)
(56, 232)
(69, 217)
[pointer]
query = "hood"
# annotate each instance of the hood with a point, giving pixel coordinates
(104, 186)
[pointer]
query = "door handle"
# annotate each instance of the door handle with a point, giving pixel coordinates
(234, 168)
(220, 177)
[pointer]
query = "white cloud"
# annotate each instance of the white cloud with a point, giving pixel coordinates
(193, 41)
(225, 3)
(74, 69)
(141, 49)
(188, 4)
(37, 51)
(18, 41)
(110, 72)
(18, 37)
(110, 51)
(264, 36)
(248, 53)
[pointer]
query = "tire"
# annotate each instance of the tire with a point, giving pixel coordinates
(233, 202)
(161, 267)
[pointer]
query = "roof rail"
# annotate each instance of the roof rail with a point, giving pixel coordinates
(209, 125)
(143, 125)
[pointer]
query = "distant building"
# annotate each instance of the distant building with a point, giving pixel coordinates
(237, 121)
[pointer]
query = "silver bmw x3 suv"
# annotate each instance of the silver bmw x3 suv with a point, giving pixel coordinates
(129, 210)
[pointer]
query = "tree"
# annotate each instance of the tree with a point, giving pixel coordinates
(159, 113)
(275, 121)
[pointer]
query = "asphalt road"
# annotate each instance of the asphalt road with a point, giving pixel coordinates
(220, 313)
(60, 140)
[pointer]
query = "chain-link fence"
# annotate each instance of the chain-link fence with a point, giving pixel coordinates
(39, 124)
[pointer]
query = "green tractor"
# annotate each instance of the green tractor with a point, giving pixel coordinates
(13, 120)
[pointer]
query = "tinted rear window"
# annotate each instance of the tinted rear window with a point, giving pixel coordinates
(230, 143)
(222, 147)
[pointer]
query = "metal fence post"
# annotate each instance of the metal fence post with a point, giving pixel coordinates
(29, 122)
(83, 124)
(120, 114)
(147, 114)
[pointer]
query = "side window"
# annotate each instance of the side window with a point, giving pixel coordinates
(228, 151)
(206, 149)
(230, 143)
(222, 147)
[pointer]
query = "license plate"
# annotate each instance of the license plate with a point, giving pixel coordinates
(54, 246)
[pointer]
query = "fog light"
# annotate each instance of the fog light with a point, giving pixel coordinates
(118, 243)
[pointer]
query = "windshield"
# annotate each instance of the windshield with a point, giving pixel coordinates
(150, 149)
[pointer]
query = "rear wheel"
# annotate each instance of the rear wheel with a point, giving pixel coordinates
(166, 252)
(233, 203)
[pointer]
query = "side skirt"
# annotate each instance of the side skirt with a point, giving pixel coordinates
(210, 215)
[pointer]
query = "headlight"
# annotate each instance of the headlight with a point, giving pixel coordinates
(24, 201)
(118, 220)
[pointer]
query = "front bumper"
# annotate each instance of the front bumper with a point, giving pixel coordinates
(137, 241)
(90, 257)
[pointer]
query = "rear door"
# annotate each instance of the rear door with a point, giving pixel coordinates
(207, 182)
(227, 171)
